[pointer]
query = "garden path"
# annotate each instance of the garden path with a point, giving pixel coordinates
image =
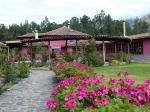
(29, 95)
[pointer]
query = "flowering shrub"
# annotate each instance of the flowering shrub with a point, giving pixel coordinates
(66, 70)
(88, 93)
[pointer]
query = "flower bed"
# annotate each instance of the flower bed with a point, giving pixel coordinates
(81, 90)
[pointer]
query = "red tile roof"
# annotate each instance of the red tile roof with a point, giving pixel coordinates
(63, 31)
(140, 36)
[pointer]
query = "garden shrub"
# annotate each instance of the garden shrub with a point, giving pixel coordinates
(68, 57)
(10, 71)
(44, 58)
(89, 93)
(91, 56)
(65, 70)
(114, 62)
(24, 70)
(123, 57)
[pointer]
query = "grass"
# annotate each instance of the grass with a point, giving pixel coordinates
(137, 71)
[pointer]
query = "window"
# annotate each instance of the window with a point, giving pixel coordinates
(136, 47)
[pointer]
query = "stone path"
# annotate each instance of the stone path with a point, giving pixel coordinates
(29, 95)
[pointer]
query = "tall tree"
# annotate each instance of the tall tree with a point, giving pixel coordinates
(98, 22)
(86, 24)
(140, 26)
(75, 23)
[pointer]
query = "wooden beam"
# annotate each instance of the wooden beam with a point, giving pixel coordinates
(104, 51)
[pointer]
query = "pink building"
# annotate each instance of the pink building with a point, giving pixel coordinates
(59, 46)
(65, 39)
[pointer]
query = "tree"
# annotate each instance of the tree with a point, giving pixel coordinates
(45, 25)
(140, 26)
(86, 24)
(75, 23)
(98, 22)
(34, 27)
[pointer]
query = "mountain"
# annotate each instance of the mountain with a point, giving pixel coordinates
(130, 21)
(146, 18)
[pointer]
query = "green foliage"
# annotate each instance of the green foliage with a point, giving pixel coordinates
(114, 62)
(15, 54)
(68, 57)
(123, 57)
(44, 58)
(118, 105)
(91, 56)
(10, 71)
(24, 70)
(140, 26)
(38, 49)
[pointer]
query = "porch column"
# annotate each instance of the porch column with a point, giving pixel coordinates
(76, 47)
(31, 53)
(66, 46)
(49, 55)
(8, 53)
(104, 51)
(129, 50)
(115, 49)
(121, 47)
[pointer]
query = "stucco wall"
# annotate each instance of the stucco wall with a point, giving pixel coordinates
(146, 46)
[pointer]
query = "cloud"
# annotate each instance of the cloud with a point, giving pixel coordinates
(16, 11)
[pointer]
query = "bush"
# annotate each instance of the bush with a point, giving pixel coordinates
(44, 58)
(10, 71)
(91, 56)
(68, 57)
(123, 57)
(66, 70)
(24, 70)
(94, 60)
(114, 62)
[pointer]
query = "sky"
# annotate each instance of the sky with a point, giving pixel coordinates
(17, 11)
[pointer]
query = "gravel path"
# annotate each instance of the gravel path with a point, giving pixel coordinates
(29, 95)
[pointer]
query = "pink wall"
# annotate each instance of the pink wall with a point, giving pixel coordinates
(146, 46)
(69, 49)
(57, 43)
(24, 50)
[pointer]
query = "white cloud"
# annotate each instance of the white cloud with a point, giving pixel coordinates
(16, 11)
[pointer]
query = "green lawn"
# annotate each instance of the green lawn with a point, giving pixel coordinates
(137, 71)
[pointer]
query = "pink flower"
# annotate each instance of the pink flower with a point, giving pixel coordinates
(127, 81)
(93, 94)
(90, 108)
(51, 104)
(67, 98)
(105, 101)
(70, 104)
(104, 90)
(55, 92)
(114, 82)
(82, 94)
(118, 73)
(147, 81)
(126, 74)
